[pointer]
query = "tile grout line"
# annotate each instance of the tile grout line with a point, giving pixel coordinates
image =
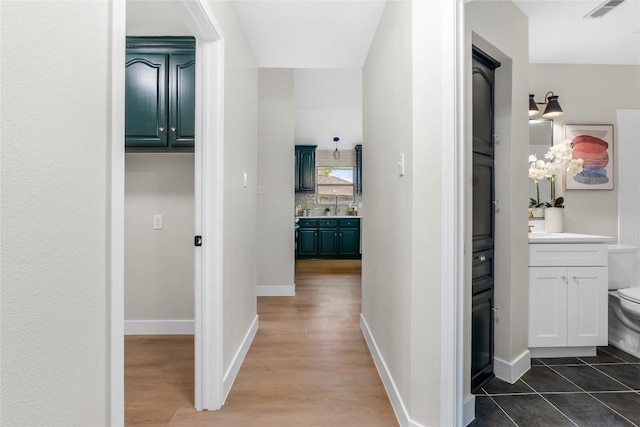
(592, 396)
(552, 405)
(503, 411)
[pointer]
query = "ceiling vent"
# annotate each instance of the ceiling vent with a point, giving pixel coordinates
(603, 9)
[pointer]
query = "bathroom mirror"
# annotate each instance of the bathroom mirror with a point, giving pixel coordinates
(540, 139)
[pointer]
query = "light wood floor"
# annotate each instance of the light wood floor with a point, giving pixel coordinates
(308, 365)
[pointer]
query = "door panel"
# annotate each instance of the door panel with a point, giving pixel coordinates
(483, 222)
(145, 100)
(182, 99)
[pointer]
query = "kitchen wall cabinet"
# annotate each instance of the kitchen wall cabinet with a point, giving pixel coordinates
(160, 94)
(305, 168)
(567, 303)
(329, 238)
(358, 171)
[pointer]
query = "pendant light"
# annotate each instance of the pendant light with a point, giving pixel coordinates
(336, 154)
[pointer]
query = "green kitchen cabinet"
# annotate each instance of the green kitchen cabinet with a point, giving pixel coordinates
(160, 94)
(307, 245)
(305, 168)
(358, 171)
(333, 238)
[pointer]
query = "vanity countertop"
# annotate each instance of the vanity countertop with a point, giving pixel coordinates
(568, 238)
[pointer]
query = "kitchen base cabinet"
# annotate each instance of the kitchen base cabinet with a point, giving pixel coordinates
(335, 238)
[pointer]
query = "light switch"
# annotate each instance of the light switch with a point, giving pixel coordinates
(157, 222)
(261, 189)
(244, 180)
(401, 165)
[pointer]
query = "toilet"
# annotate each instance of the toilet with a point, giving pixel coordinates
(624, 298)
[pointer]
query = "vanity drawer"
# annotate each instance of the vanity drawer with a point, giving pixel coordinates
(567, 254)
(307, 223)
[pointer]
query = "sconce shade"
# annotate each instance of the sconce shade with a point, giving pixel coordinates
(553, 108)
(533, 108)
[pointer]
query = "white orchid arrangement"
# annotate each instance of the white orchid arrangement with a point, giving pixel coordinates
(560, 158)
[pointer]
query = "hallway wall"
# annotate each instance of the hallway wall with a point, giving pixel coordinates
(402, 243)
(240, 203)
(55, 109)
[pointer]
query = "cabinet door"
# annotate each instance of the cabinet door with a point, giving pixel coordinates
(358, 174)
(547, 306)
(306, 169)
(307, 242)
(349, 241)
(481, 338)
(327, 238)
(587, 306)
(145, 100)
(182, 100)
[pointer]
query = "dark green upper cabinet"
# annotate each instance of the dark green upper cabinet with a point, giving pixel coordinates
(146, 100)
(305, 169)
(358, 174)
(160, 94)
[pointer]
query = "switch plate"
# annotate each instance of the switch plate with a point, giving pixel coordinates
(401, 165)
(261, 189)
(157, 222)
(244, 180)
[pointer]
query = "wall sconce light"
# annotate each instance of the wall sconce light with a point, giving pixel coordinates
(553, 108)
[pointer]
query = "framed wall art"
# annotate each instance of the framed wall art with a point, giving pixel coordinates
(593, 144)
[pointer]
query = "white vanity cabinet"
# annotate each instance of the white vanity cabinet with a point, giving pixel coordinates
(568, 284)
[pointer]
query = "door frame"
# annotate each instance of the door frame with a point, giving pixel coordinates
(209, 171)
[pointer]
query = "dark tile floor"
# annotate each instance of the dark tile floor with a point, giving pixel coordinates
(598, 391)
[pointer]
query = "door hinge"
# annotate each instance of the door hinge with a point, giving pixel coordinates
(197, 240)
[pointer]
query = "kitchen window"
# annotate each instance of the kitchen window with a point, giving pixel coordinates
(335, 184)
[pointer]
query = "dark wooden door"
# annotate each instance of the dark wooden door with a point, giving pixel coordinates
(482, 327)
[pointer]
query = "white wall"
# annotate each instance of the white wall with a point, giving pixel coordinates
(589, 94)
(55, 118)
(276, 113)
(240, 203)
(628, 122)
(154, 18)
(501, 30)
(328, 104)
(159, 264)
(402, 107)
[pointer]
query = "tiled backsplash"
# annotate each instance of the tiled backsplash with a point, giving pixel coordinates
(309, 200)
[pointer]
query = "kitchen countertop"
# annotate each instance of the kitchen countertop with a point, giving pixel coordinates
(327, 216)
(568, 238)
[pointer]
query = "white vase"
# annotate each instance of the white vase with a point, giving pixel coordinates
(537, 212)
(553, 220)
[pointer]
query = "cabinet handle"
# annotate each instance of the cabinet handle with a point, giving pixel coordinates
(173, 129)
(161, 129)
(480, 258)
(575, 279)
(564, 278)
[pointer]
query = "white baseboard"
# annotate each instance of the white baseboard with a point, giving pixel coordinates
(469, 410)
(238, 358)
(159, 327)
(512, 371)
(276, 291)
(392, 391)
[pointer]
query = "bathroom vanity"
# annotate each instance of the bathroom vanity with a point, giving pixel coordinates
(568, 284)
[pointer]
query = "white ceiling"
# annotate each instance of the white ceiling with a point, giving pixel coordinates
(310, 33)
(559, 33)
(338, 33)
